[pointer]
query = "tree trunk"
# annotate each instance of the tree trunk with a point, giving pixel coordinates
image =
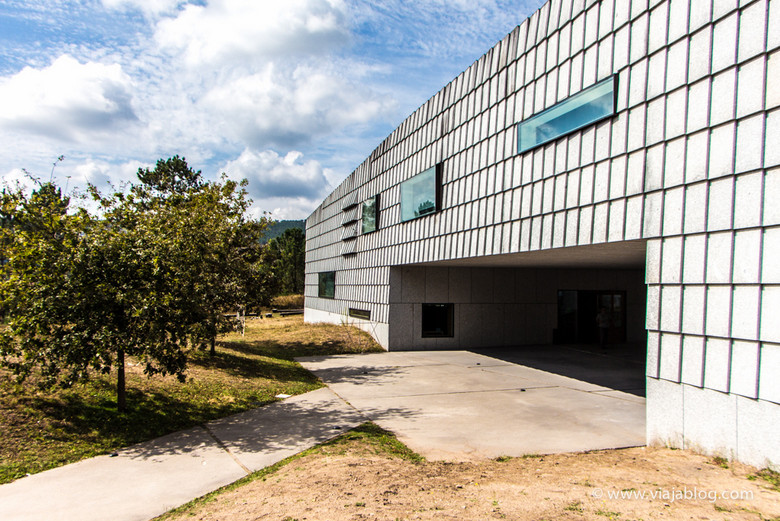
(213, 346)
(121, 402)
(241, 314)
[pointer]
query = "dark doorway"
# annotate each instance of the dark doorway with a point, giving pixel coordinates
(577, 312)
(437, 320)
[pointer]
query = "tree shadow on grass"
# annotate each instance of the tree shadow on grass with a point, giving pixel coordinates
(291, 350)
(245, 367)
(84, 421)
(88, 413)
(150, 414)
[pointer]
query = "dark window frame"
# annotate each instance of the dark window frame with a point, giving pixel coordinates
(613, 80)
(363, 215)
(362, 314)
(437, 191)
(323, 286)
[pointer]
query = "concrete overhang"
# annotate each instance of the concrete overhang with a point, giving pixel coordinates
(624, 254)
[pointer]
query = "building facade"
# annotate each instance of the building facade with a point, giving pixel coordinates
(613, 156)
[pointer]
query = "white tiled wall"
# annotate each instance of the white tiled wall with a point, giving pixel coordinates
(690, 163)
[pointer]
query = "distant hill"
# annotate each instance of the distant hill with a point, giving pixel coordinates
(278, 228)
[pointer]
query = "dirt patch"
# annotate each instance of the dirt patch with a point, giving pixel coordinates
(354, 481)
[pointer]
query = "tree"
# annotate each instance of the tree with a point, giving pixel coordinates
(150, 277)
(286, 255)
(38, 284)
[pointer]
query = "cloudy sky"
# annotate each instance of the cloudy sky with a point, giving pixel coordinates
(289, 94)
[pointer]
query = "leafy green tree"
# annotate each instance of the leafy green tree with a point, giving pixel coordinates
(286, 255)
(149, 278)
(37, 284)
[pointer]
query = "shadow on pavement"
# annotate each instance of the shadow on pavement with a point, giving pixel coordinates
(360, 375)
(290, 425)
(619, 367)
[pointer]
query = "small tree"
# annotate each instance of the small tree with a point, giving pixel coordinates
(149, 278)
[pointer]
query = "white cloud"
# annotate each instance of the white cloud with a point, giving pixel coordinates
(287, 108)
(16, 177)
(283, 208)
(67, 100)
(250, 30)
(100, 173)
(207, 79)
(271, 175)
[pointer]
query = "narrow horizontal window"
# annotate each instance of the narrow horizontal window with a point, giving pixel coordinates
(585, 108)
(327, 284)
(420, 194)
(370, 215)
(360, 313)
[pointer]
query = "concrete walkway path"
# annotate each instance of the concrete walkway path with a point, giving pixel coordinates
(148, 479)
(455, 405)
(460, 405)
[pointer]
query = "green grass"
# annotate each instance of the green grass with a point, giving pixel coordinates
(771, 477)
(45, 429)
(720, 462)
(370, 437)
(375, 440)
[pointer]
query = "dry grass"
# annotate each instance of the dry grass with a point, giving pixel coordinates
(287, 302)
(42, 429)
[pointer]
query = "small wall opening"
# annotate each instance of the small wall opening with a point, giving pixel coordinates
(438, 320)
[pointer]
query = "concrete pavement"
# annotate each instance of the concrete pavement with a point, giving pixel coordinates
(455, 405)
(148, 479)
(459, 405)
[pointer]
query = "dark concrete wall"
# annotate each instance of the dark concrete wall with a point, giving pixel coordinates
(500, 306)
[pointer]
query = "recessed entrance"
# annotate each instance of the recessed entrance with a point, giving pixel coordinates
(548, 310)
(582, 313)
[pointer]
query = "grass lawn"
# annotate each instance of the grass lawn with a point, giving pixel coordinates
(42, 429)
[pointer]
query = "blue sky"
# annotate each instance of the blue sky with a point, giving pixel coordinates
(290, 94)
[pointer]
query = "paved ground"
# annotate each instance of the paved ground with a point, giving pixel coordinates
(463, 405)
(146, 480)
(443, 404)
(617, 367)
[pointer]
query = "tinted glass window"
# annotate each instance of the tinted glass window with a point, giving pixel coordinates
(580, 110)
(360, 313)
(418, 195)
(327, 284)
(370, 213)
